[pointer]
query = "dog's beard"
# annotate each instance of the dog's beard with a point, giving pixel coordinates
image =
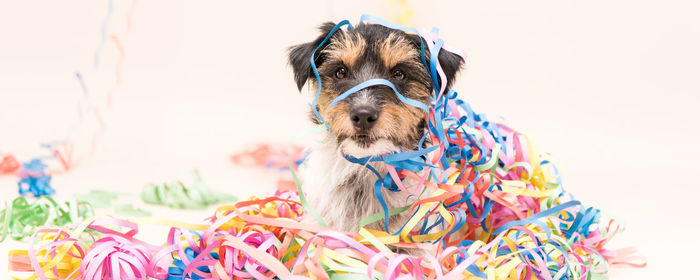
(359, 147)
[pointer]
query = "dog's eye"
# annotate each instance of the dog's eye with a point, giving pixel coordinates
(398, 74)
(341, 73)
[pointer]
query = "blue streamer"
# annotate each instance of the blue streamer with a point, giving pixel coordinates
(103, 37)
(374, 82)
(34, 179)
(533, 219)
(313, 67)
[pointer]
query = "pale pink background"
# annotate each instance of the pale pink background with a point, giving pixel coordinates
(610, 88)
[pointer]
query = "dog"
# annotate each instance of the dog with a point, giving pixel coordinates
(372, 121)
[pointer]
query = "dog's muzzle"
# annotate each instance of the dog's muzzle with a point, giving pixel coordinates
(364, 118)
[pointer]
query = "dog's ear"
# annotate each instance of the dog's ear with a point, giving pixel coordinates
(300, 55)
(451, 63)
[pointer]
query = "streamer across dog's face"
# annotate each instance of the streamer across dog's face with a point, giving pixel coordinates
(372, 120)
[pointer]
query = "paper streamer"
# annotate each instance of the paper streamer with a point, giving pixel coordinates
(21, 218)
(263, 238)
(107, 199)
(8, 164)
(178, 195)
(270, 156)
(115, 257)
(273, 157)
(66, 152)
(34, 179)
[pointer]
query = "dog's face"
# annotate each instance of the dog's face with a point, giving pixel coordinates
(373, 120)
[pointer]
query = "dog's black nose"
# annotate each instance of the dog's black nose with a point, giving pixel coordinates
(364, 117)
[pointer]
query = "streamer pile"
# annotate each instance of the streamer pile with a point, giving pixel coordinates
(34, 179)
(273, 157)
(110, 199)
(21, 218)
(178, 195)
(263, 238)
(8, 164)
(270, 156)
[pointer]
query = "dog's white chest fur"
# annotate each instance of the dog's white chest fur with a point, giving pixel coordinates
(342, 192)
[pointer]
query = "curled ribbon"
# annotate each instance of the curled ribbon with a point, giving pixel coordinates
(34, 179)
(8, 164)
(21, 218)
(269, 156)
(273, 243)
(236, 263)
(178, 195)
(273, 157)
(115, 257)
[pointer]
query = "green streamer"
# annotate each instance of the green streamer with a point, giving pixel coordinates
(178, 195)
(21, 218)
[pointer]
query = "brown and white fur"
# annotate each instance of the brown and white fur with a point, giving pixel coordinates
(370, 122)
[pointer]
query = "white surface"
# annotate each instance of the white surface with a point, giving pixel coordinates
(608, 87)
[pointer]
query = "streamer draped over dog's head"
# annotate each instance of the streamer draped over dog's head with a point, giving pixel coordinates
(405, 160)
